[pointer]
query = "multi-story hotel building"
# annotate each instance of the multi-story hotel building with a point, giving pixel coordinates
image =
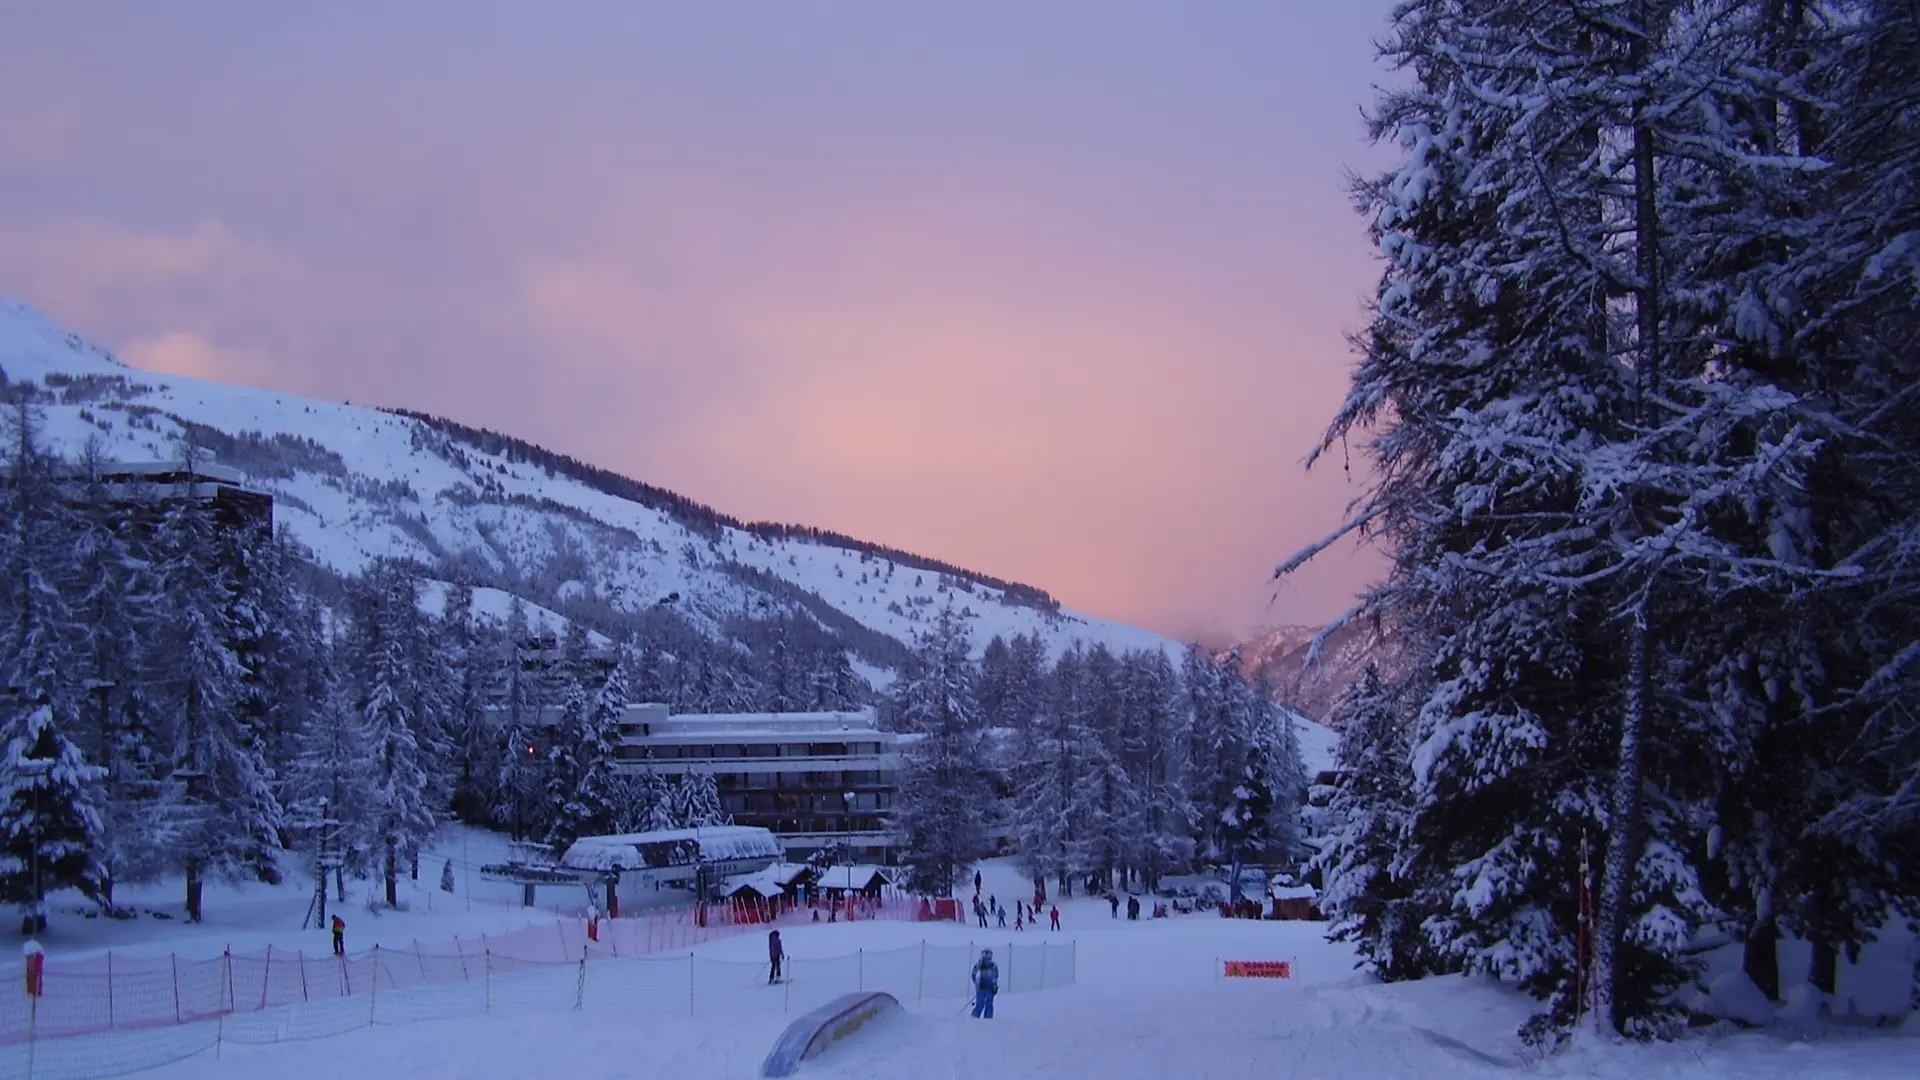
(813, 779)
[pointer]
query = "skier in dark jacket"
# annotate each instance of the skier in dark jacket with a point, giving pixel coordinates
(775, 953)
(986, 983)
(1113, 901)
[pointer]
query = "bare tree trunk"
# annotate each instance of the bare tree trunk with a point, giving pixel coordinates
(1825, 973)
(1761, 958)
(193, 892)
(1623, 845)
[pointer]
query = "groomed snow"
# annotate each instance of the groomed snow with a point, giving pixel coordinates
(1148, 1003)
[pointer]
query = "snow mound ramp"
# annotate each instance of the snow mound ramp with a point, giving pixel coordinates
(809, 1036)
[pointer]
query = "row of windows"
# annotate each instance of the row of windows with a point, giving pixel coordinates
(831, 823)
(762, 750)
(829, 781)
(785, 802)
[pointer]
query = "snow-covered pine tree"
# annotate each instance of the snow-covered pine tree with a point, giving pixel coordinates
(588, 794)
(404, 816)
(1810, 661)
(1564, 435)
(1051, 781)
(1217, 744)
(784, 680)
(113, 607)
(696, 802)
(50, 830)
(1111, 800)
(993, 686)
(434, 689)
(330, 797)
(654, 804)
(522, 765)
(1286, 775)
(832, 684)
(1157, 743)
(224, 818)
(942, 800)
(471, 649)
(1025, 692)
(1364, 825)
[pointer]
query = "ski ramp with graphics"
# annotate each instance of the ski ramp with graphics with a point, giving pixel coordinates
(825, 1027)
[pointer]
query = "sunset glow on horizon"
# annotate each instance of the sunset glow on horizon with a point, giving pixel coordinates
(1058, 296)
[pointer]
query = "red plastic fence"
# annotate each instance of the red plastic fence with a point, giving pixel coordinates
(120, 993)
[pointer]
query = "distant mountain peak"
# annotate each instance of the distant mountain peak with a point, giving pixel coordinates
(356, 484)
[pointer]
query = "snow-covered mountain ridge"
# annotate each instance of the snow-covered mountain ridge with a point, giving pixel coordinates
(354, 484)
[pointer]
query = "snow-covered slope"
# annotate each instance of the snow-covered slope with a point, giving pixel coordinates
(354, 484)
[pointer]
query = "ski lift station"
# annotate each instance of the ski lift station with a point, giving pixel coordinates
(635, 866)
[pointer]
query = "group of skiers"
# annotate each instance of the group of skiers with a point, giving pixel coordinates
(1133, 905)
(1022, 914)
(1021, 917)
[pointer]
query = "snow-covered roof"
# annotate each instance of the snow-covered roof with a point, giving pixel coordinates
(705, 725)
(672, 847)
(786, 873)
(752, 883)
(771, 881)
(853, 877)
(1294, 892)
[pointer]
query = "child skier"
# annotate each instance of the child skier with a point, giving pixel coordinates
(339, 936)
(775, 953)
(986, 983)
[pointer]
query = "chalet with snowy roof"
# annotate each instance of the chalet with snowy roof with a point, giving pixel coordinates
(837, 881)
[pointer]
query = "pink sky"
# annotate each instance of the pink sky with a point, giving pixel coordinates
(1059, 296)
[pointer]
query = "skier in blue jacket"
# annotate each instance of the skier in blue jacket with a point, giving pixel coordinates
(986, 983)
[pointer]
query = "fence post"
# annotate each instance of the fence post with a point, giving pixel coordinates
(487, 975)
(33, 1024)
(373, 988)
(1011, 953)
(920, 987)
(860, 969)
(580, 986)
(175, 957)
(266, 979)
(109, 989)
(226, 969)
(1044, 950)
(692, 983)
(305, 995)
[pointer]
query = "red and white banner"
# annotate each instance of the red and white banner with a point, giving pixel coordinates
(1259, 969)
